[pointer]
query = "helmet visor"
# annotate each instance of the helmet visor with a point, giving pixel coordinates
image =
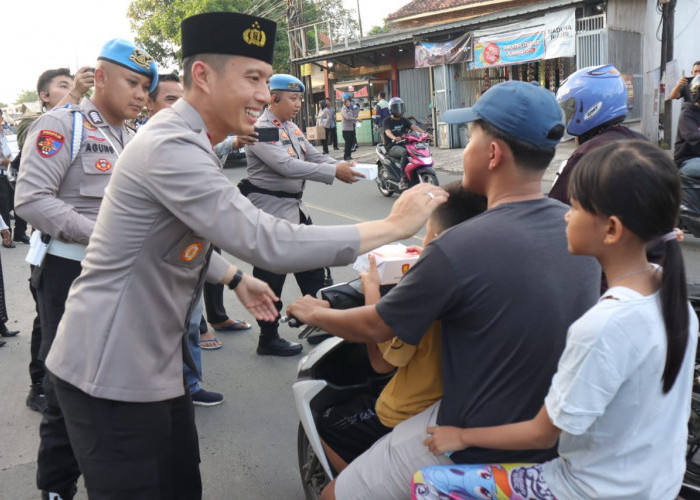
(396, 108)
(568, 109)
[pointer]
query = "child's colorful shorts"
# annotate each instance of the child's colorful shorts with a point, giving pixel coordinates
(496, 481)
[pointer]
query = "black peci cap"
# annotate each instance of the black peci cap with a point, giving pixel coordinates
(229, 33)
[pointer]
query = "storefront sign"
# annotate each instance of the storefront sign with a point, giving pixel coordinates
(363, 92)
(513, 47)
(437, 54)
(547, 37)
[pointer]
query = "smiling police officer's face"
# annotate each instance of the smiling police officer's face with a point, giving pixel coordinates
(238, 92)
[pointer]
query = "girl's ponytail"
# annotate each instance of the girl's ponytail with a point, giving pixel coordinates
(674, 309)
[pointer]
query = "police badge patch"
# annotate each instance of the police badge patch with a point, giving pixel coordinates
(49, 143)
(103, 165)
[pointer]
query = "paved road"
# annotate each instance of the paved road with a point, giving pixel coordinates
(248, 444)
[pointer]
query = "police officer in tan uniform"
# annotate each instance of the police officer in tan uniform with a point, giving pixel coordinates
(129, 417)
(67, 161)
(277, 173)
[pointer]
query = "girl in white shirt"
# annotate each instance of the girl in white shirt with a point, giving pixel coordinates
(620, 400)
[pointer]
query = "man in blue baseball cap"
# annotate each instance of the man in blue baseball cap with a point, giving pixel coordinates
(67, 162)
(495, 283)
(277, 174)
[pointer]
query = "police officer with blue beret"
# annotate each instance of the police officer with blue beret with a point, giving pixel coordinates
(277, 173)
(67, 161)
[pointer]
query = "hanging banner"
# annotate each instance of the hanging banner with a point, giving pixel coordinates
(560, 39)
(436, 54)
(514, 47)
(547, 37)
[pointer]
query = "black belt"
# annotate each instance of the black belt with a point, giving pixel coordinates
(246, 187)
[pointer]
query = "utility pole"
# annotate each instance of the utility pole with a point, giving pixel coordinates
(359, 18)
(668, 8)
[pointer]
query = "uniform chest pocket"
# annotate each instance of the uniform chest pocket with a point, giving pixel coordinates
(97, 161)
(188, 252)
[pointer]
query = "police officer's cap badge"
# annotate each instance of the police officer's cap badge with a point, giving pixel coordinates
(254, 35)
(142, 59)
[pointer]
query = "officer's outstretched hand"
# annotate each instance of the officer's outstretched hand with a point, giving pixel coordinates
(344, 172)
(411, 211)
(257, 297)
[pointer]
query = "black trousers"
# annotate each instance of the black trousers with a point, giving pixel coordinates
(57, 468)
(309, 282)
(324, 141)
(36, 365)
(349, 138)
(214, 300)
(133, 451)
(398, 151)
(333, 136)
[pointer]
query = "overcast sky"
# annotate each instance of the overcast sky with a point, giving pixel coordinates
(39, 34)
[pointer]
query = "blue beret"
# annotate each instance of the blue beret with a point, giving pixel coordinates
(287, 83)
(126, 54)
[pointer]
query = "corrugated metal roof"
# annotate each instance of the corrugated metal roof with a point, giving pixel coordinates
(425, 6)
(396, 38)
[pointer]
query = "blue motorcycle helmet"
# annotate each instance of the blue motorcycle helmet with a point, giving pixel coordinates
(592, 97)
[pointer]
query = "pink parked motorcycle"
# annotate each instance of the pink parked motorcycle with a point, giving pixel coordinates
(419, 168)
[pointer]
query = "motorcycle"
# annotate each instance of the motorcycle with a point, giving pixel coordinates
(336, 371)
(419, 168)
(690, 205)
(332, 373)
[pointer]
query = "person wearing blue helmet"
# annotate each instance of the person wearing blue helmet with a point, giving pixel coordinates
(277, 174)
(594, 102)
(67, 161)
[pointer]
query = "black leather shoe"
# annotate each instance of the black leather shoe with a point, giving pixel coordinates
(36, 401)
(11, 245)
(2, 343)
(8, 333)
(276, 346)
(21, 238)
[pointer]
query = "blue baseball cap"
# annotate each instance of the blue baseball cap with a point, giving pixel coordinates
(287, 83)
(524, 111)
(126, 54)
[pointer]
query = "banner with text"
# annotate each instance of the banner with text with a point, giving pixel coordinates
(547, 37)
(436, 54)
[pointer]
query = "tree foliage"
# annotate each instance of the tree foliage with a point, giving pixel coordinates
(27, 96)
(157, 25)
(375, 30)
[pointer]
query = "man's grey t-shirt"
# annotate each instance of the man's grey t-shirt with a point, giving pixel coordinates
(506, 289)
